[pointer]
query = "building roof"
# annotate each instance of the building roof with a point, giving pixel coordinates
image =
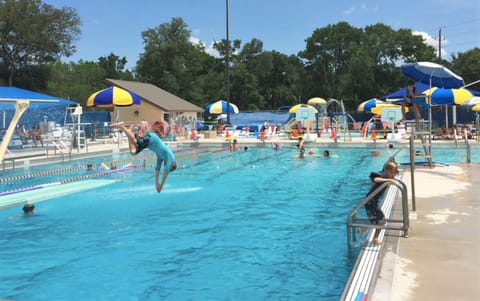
(158, 97)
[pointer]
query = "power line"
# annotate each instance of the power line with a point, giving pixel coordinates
(463, 22)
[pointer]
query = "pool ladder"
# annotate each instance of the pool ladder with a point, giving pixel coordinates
(402, 224)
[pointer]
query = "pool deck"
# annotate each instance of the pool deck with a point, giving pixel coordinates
(440, 259)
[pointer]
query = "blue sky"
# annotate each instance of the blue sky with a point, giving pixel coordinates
(283, 25)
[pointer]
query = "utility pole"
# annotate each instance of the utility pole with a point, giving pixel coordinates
(227, 67)
(439, 43)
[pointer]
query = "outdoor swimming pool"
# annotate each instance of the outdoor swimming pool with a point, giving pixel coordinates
(252, 225)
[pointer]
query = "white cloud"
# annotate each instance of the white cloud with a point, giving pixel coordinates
(212, 51)
(208, 49)
(350, 10)
(195, 31)
(196, 41)
(363, 8)
(431, 41)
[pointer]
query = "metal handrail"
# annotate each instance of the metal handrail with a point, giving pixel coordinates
(351, 218)
(469, 152)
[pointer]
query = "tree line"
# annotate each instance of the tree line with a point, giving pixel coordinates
(339, 61)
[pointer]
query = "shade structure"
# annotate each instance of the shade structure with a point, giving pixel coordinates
(296, 107)
(399, 94)
(38, 100)
(441, 96)
(113, 97)
(316, 101)
(221, 107)
(433, 74)
(367, 105)
(476, 107)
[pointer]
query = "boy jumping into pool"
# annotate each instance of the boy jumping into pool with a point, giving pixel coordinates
(374, 213)
(151, 141)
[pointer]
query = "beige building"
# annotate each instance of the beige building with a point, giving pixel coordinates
(156, 104)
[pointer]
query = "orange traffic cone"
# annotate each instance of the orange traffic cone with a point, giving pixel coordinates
(374, 134)
(333, 135)
(227, 134)
(193, 134)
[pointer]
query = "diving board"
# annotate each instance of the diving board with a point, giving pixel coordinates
(45, 192)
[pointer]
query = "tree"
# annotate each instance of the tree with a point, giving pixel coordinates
(114, 67)
(355, 64)
(327, 55)
(172, 62)
(467, 64)
(75, 81)
(32, 33)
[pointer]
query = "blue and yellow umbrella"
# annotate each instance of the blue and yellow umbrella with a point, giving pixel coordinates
(113, 97)
(221, 107)
(316, 101)
(375, 106)
(296, 107)
(441, 96)
(368, 105)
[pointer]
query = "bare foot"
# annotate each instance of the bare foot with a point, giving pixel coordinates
(362, 231)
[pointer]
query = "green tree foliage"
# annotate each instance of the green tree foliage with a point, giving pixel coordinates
(32, 33)
(77, 81)
(468, 65)
(114, 67)
(355, 64)
(172, 62)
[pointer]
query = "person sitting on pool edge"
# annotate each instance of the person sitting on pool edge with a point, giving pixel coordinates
(374, 213)
(151, 141)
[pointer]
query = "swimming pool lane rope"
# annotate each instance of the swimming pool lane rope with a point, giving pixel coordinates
(93, 175)
(76, 168)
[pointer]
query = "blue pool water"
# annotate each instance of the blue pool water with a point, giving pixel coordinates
(252, 225)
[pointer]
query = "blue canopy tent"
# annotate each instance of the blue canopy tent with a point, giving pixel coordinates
(17, 101)
(419, 88)
(41, 106)
(13, 93)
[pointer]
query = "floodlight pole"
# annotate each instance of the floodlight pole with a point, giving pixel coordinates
(227, 66)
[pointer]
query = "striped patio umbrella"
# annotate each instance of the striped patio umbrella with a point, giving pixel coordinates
(472, 101)
(113, 97)
(441, 96)
(367, 105)
(296, 107)
(432, 74)
(221, 107)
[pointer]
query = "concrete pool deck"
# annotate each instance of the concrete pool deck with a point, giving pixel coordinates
(440, 259)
